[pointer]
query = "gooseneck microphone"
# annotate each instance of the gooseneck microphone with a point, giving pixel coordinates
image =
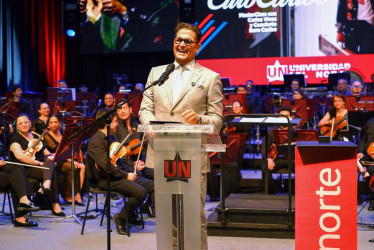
(170, 68)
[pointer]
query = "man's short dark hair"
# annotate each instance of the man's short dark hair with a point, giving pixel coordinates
(241, 86)
(101, 124)
(15, 87)
(109, 93)
(194, 28)
(285, 108)
(123, 100)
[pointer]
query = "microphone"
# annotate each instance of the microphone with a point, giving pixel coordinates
(357, 128)
(170, 68)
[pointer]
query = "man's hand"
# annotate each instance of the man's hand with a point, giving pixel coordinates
(131, 176)
(2, 163)
(271, 164)
(140, 165)
(360, 155)
(113, 6)
(190, 117)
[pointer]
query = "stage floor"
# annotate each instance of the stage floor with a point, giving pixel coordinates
(66, 234)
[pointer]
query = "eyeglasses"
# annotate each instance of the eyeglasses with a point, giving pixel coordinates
(187, 42)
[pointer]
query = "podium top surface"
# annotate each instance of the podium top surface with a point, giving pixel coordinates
(328, 144)
(211, 142)
(177, 128)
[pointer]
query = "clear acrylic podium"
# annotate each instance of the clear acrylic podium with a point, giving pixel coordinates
(179, 150)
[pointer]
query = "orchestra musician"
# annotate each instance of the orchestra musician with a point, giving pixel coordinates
(125, 125)
(366, 154)
(109, 100)
(21, 151)
(275, 160)
(40, 124)
(123, 180)
(17, 98)
(15, 177)
(335, 120)
(52, 139)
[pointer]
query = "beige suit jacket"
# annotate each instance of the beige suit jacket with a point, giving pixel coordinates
(202, 93)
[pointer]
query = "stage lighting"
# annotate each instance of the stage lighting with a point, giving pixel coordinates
(70, 32)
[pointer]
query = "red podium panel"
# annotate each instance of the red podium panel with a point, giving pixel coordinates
(326, 195)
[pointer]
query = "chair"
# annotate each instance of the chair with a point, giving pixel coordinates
(7, 196)
(5, 188)
(93, 177)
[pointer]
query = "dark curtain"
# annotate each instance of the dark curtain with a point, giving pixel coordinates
(32, 44)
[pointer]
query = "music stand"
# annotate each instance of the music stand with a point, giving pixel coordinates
(65, 150)
(302, 108)
(281, 136)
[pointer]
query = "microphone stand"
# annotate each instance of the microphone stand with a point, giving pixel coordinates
(106, 116)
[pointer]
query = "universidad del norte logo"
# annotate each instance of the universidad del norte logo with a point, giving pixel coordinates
(276, 71)
(177, 169)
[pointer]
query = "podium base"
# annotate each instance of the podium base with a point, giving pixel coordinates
(254, 215)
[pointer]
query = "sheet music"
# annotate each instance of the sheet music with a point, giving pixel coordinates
(277, 120)
(249, 120)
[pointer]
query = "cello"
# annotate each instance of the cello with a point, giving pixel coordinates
(338, 123)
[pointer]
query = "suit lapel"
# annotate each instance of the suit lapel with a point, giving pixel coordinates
(195, 76)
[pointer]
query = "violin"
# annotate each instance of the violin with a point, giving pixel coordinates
(35, 145)
(133, 148)
(117, 150)
(337, 123)
(273, 151)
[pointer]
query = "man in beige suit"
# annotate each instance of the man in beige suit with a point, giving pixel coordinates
(192, 94)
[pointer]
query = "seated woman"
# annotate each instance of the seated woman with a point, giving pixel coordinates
(52, 138)
(335, 120)
(40, 124)
(18, 153)
(14, 176)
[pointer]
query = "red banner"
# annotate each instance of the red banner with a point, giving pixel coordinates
(271, 69)
(325, 198)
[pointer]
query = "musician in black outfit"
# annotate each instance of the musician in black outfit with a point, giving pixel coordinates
(363, 154)
(280, 161)
(19, 143)
(126, 124)
(123, 179)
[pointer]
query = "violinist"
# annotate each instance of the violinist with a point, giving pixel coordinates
(126, 124)
(123, 180)
(22, 143)
(366, 154)
(52, 139)
(275, 160)
(40, 124)
(15, 177)
(335, 120)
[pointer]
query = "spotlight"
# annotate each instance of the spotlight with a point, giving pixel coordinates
(70, 32)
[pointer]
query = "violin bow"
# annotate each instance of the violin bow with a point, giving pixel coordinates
(332, 128)
(140, 151)
(25, 165)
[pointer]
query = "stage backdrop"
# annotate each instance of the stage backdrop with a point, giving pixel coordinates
(147, 26)
(262, 40)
